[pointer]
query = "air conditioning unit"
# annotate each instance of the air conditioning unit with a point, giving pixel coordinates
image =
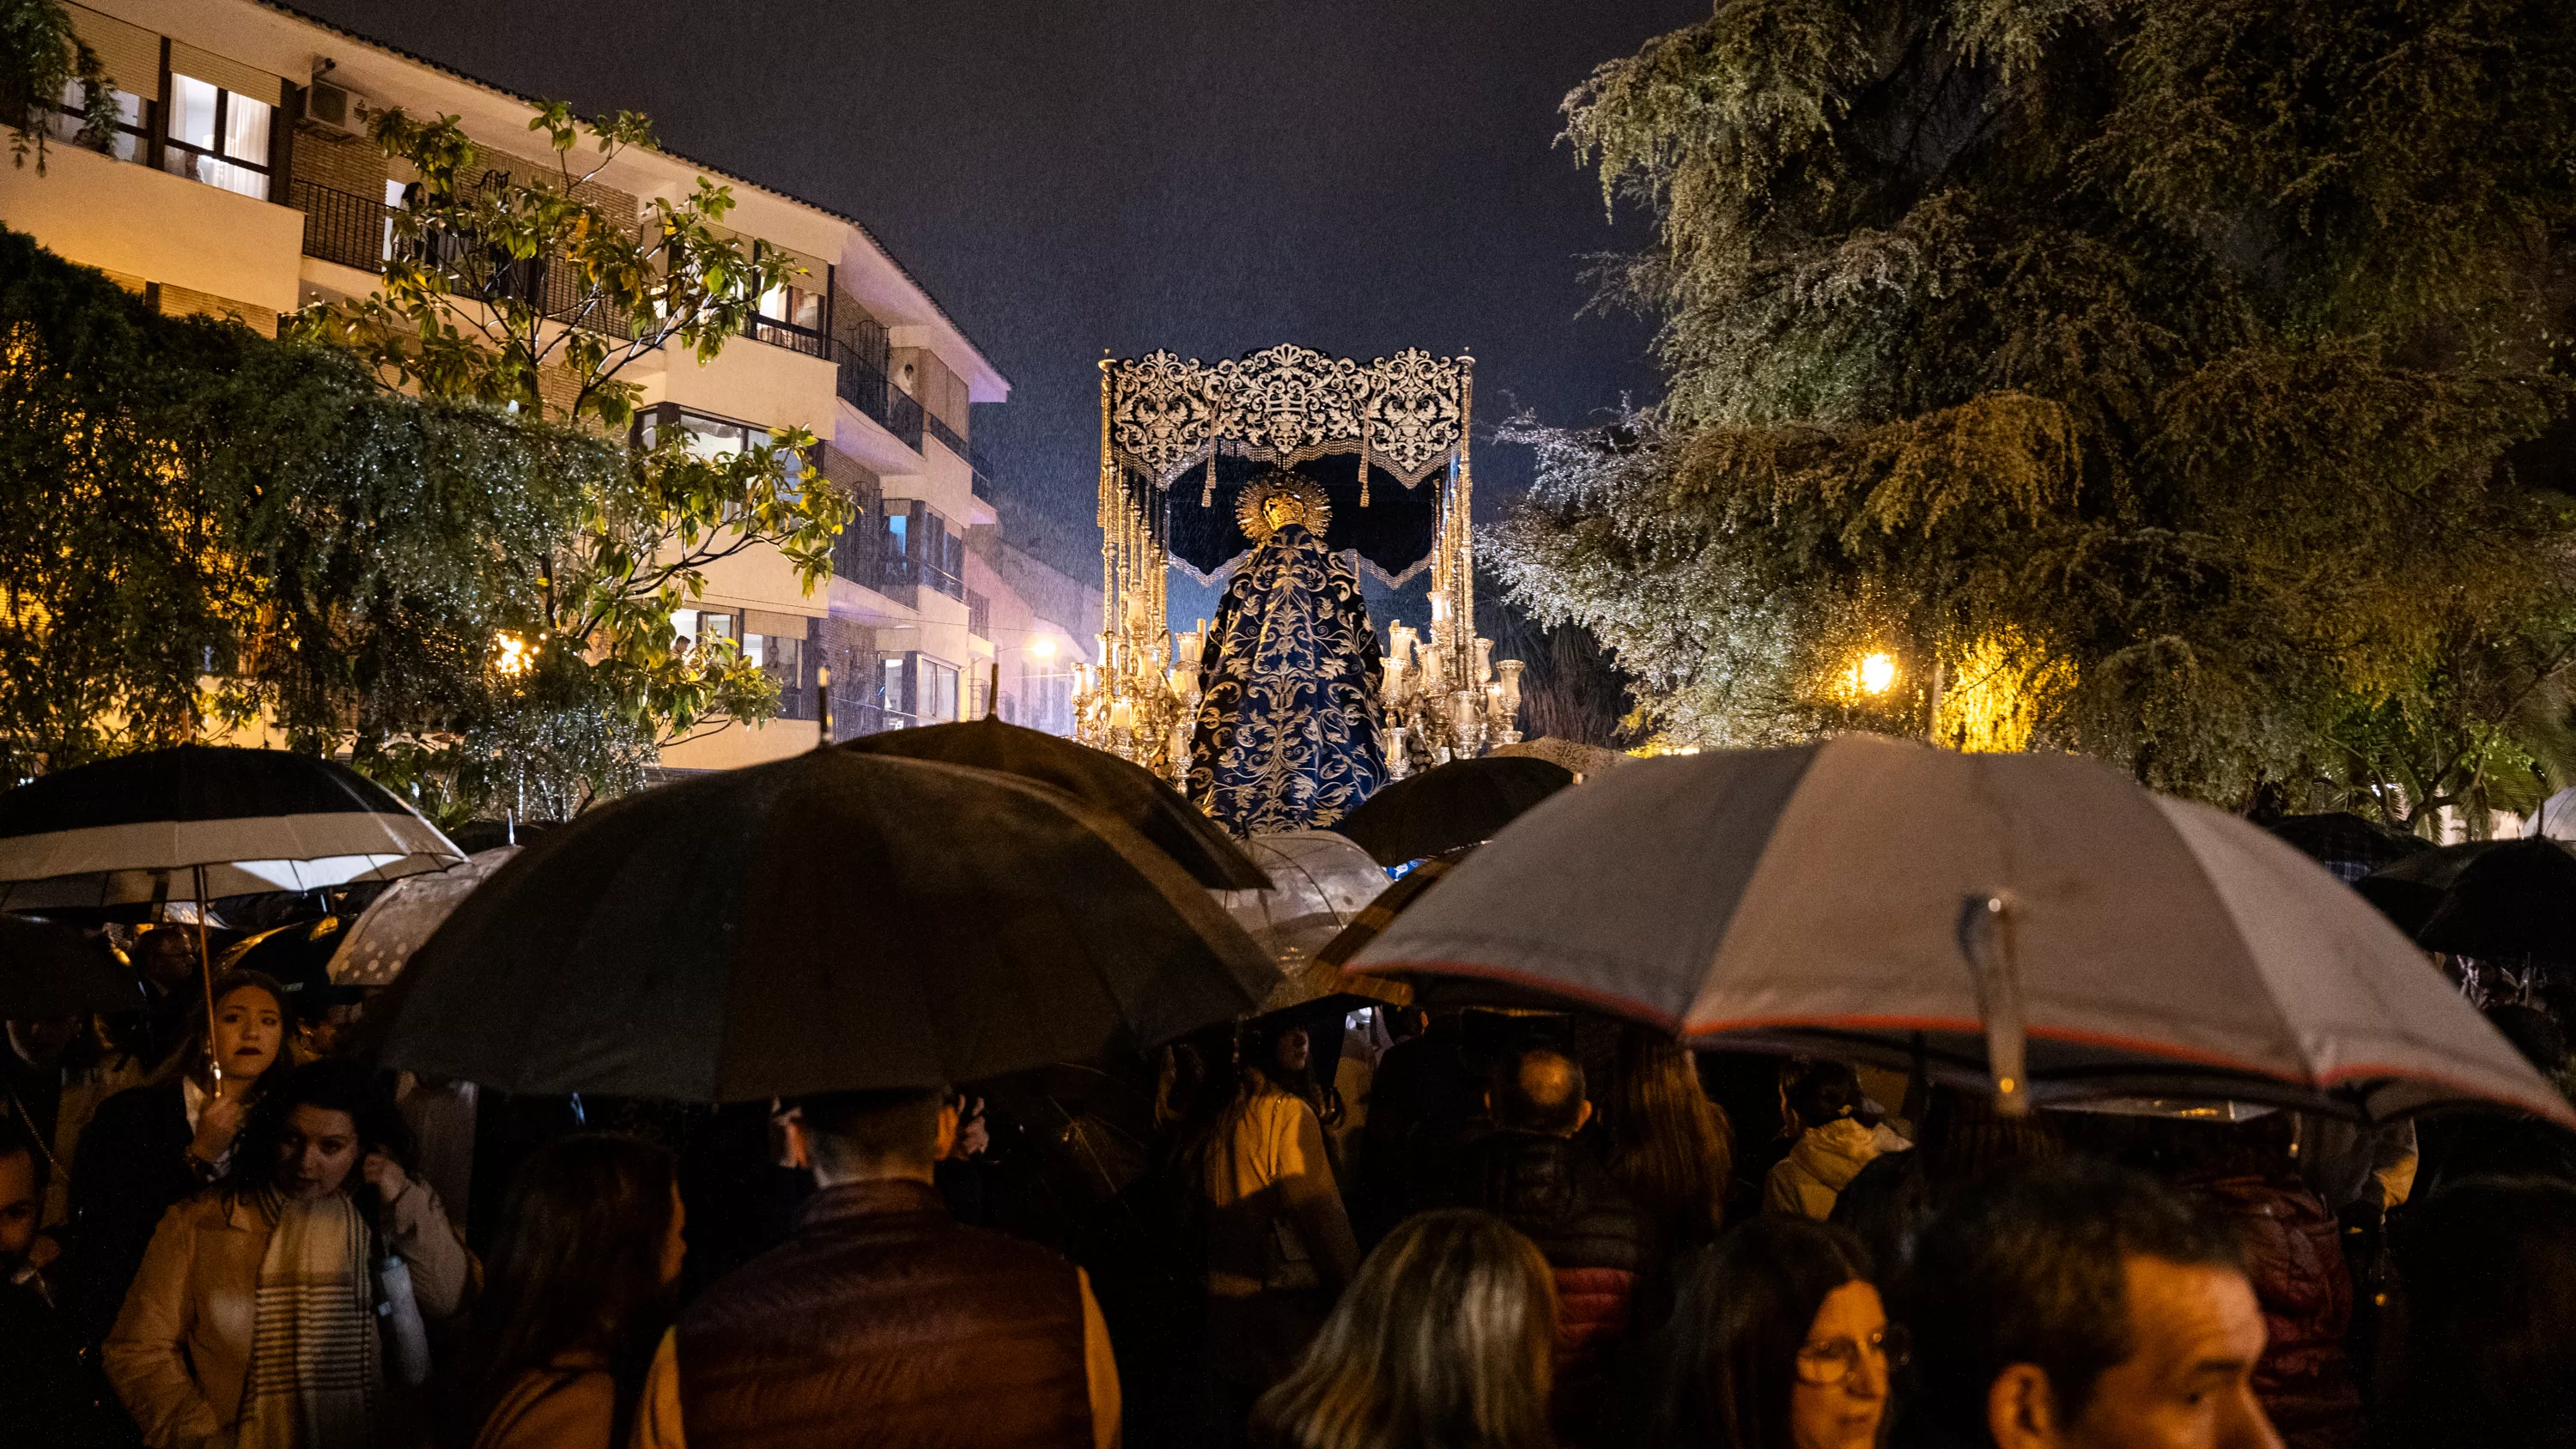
(335, 108)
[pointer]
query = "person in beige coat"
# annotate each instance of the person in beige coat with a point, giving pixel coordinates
(253, 1323)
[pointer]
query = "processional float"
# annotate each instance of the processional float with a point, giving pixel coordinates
(1188, 453)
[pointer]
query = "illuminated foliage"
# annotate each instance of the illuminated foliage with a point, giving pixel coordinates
(524, 291)
(2195, 368)
(40, 58)
(200, 527)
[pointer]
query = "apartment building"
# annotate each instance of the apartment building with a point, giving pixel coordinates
(242, 185)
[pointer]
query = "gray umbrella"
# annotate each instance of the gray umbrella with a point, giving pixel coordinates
(1878, 899)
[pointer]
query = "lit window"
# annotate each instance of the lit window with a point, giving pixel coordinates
(70, 115)
(217, 137)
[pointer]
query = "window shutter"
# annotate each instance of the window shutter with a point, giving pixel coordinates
(232, 75)
(131, 53)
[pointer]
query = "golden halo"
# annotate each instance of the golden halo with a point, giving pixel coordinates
(1252, 508)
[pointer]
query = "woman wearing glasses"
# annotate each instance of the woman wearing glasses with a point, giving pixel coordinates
(1778, 1340)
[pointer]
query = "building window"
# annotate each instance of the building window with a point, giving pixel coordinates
(217, 137)
(935, 689)
(712, 437)
(132, 135)
(695, 625)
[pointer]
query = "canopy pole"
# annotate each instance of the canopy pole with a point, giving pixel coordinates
(206, 976)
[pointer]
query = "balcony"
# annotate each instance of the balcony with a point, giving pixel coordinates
(931, 424)
(979, 615)
(982, 481)
(343, 227)
(873, 393)
(788, 335)
(350, 230)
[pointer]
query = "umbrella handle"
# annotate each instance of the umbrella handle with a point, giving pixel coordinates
(206, 974)
(1985, 938)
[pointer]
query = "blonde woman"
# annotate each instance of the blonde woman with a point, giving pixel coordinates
(1444, 1341)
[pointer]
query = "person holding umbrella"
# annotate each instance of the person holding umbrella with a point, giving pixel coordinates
(150, 1146)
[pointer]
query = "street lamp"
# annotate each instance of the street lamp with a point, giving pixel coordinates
(1876, 673)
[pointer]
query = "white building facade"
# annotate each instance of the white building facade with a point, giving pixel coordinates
(242, 185)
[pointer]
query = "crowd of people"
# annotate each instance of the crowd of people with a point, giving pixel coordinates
(1480, 1229)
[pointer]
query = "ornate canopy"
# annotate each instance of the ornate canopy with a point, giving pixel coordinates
(1287, 404)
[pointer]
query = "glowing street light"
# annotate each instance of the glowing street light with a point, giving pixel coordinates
(512, 656)
(1043, 647)
(1875, 674)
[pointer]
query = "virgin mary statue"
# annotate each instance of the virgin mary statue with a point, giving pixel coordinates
(1288, 721)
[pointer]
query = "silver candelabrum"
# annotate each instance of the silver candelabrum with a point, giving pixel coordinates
(1446, 697)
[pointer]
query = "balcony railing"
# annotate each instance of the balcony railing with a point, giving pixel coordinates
(358, 231)
(982, 480)
(873, 393)
(979, 615)
(789, 336)
(931, 424)
(343, 227)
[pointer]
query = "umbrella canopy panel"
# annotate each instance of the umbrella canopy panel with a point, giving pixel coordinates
(375, 950)
(1095, 777)
(1324, 882)
(140, 827)
(1448, 806)
(830, 922)
(1811, 899)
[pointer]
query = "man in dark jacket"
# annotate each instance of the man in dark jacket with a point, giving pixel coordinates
(882, 1318)
(1530, 1173)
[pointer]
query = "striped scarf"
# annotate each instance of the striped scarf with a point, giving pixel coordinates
(314, 1354)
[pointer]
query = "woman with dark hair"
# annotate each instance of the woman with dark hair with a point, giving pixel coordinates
(580, 1289)
(254, 1320)
(1447, 1338)
(150, 1146)
(1778, 1341)
(1822, 1105)
(1668, 1145)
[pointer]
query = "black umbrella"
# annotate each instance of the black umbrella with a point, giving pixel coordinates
(199, 822)
(829, 922)
(2347, 844)
(1464, 802)
(298, 957)
(2516, 900)
(50, 970)
(2408, 892)
(1096, 778)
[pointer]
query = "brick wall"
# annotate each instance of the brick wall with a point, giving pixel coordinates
(351, 164)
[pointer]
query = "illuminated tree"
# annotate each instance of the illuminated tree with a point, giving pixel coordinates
(2191, 369)
(202, 528)
(525, 292)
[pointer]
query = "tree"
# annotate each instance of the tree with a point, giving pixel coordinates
(526, 292)
(2165, 381)
(41, 59)
(201, 528)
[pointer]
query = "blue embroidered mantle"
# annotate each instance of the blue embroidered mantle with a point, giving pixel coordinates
(1289, 720)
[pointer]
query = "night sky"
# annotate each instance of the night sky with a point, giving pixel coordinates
(1352, 175)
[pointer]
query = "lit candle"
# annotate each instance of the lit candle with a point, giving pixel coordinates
(1439, 606)
(1122, 715)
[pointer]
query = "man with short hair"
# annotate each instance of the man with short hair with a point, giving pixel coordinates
(2078, 1305)
(882, 1320)
(1530, 1173)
